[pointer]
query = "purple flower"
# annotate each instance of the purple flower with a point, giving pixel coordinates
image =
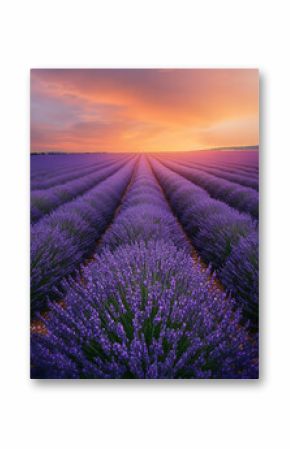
(113, 325)
(144, 308)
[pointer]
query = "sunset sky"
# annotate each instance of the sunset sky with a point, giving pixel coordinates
(143, 109)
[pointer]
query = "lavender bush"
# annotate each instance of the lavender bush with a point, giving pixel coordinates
(203, 162)
(242, 279)
(144, 311)
(143, 308)
(248, 171)
(241, 198)
(44, 166)
(145, 215)
(45, 201)
(53, 180)
(44, 179)
(251, 181)
(60, 241)
(214, 228)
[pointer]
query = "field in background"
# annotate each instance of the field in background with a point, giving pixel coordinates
(145, 266)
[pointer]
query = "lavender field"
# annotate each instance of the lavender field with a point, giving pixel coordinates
(145, 265)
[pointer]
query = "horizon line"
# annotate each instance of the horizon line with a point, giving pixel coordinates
(220, 148)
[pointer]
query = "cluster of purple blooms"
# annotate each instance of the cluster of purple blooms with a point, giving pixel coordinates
(45, 201)
(45, 166)
(246, 180)
(216, 230)
(65, 175)
(247, 161)
(235, 169)
(237, 196)
(45, 178)
(238, 174)
(143, 308)
(64, 238)
(240, 274)
(145, 215)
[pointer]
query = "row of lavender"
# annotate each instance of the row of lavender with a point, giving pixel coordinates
(242, 198)
(53, 178)
(45, 201)
(225, 238)
(246, 177)
(143, 308)
(232, 158)
(64, 238)
(43, 166)
(244, 170)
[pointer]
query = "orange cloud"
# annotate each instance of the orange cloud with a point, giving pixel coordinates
(143, 109)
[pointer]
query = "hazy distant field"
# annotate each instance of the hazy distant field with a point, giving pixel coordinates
(145, 266)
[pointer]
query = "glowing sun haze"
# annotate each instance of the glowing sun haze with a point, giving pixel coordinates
(140, 110)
